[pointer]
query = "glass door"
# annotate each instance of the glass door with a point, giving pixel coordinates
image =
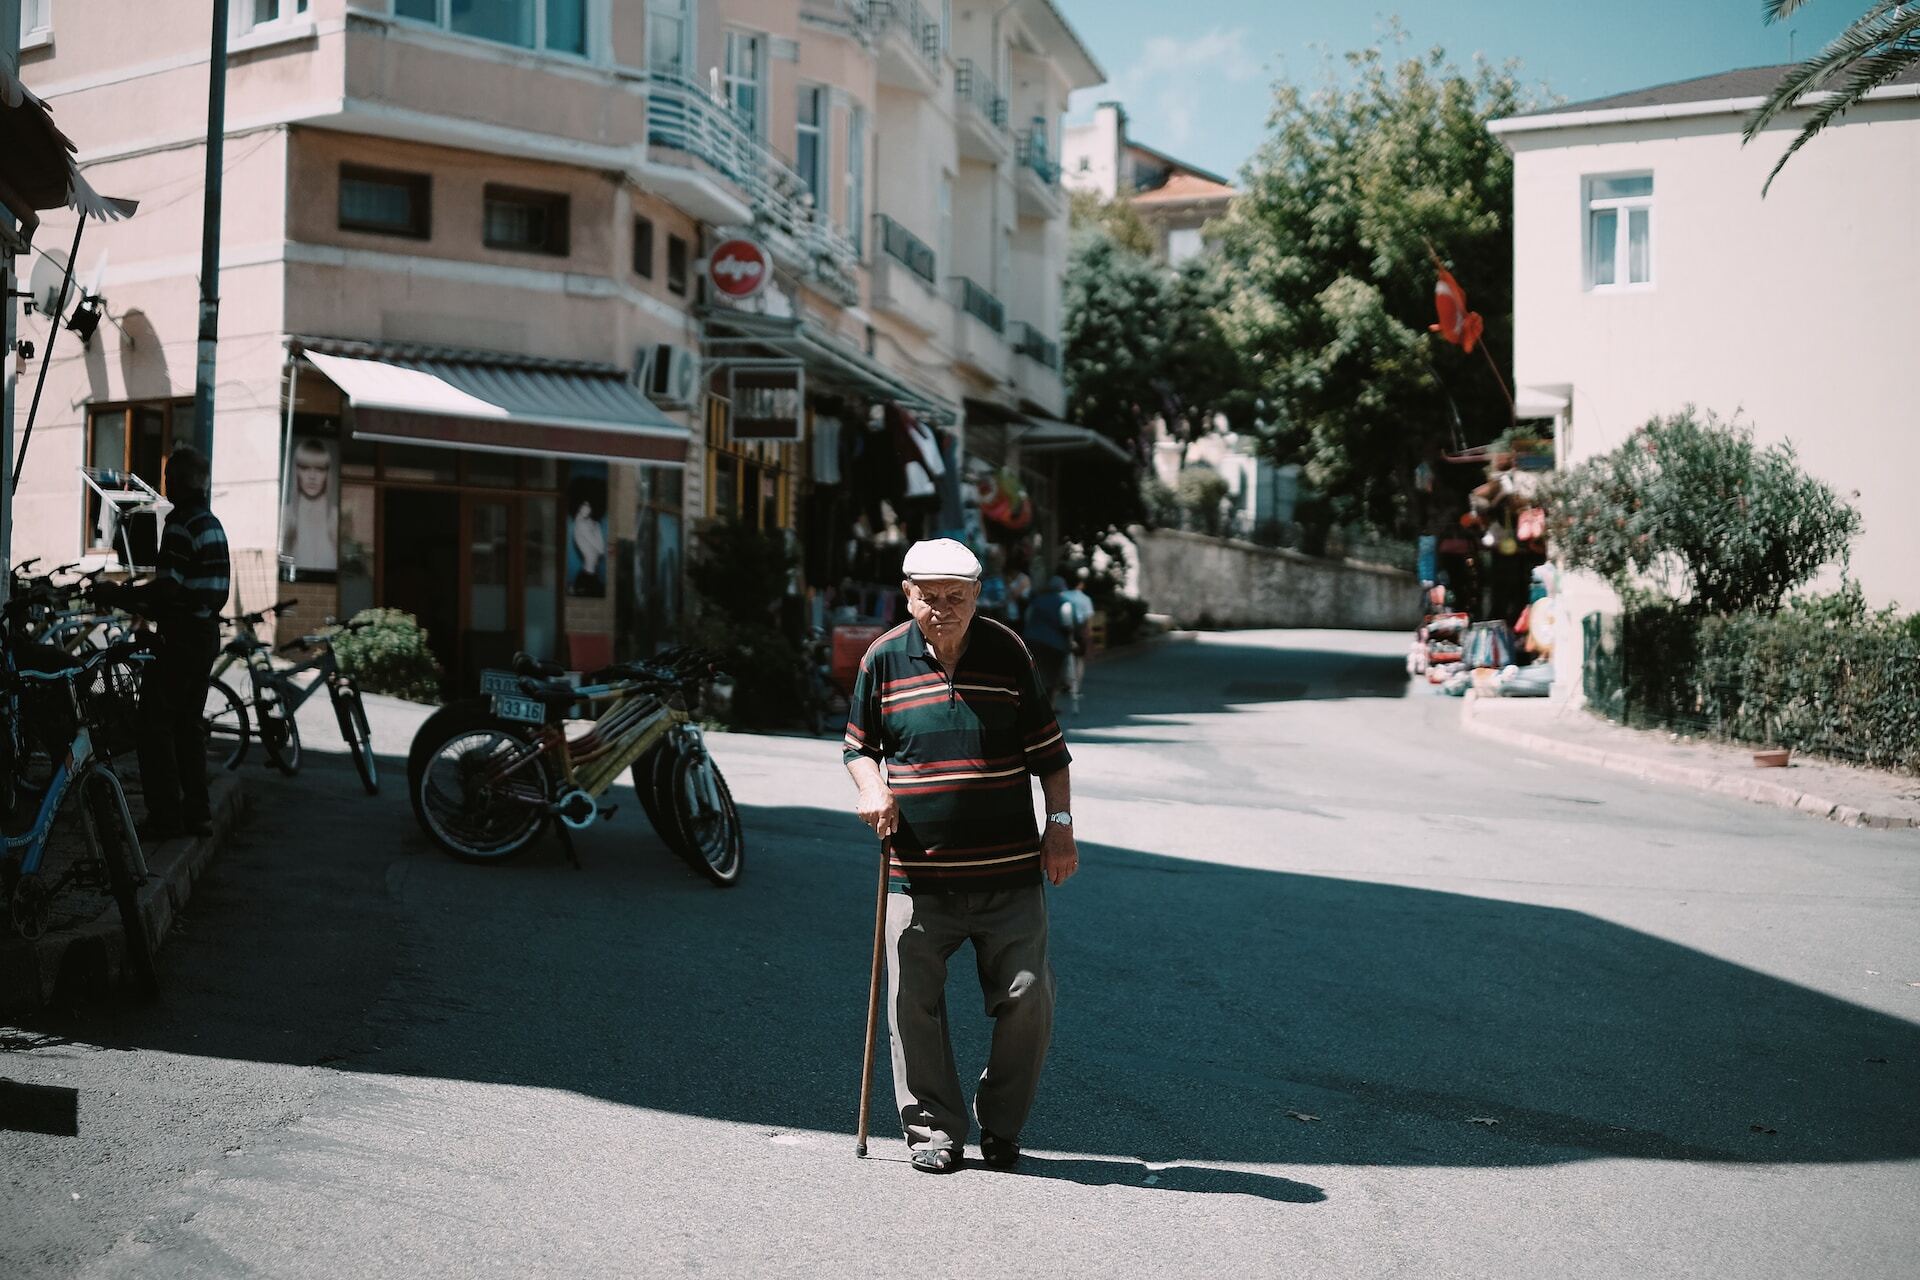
(492, 631)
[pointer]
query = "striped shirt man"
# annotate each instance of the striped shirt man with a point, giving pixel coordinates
(193, 554)
(958, 751)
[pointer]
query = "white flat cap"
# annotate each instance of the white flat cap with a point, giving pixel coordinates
(941, 558)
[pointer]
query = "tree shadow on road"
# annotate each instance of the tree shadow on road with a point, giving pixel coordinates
(1208, 1014)
(1215, 674)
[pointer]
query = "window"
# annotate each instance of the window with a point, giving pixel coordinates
(1619, 231)
(556, 25)
(676, 265)
(36, 23)
(386, 202)
(667, 30)
(260, 13)
(526, 221)
(944, 210)
(136, 439)
(1183, 245)
(643, 248)
(810, 144)
(741, 78)
(857, 178)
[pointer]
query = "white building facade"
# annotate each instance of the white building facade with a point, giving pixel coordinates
(1650, 274)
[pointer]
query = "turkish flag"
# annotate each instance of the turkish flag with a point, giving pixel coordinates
(1457, 325)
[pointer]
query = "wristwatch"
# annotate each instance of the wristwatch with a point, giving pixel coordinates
(1063, 818)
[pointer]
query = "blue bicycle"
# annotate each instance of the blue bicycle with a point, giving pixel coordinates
(34, 896)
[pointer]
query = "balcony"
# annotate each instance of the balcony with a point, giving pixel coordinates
(1037, 178)
(908, 42)
(904, 275)
(980, 321)
(704, 157)
(981, 112)
(1036, 370)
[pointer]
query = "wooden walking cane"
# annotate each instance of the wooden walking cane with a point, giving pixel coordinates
(873, 1002)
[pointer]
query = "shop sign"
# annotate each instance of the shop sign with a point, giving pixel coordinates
(739, 268)
(768, 402)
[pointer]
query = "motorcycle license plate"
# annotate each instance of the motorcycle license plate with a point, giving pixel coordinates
(492, 682)
(515, 708)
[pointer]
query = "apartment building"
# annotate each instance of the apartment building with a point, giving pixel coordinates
(1175, 200)
(1651, 274)
(474, 358)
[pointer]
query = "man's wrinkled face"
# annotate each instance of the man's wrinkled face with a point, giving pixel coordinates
(942, 606)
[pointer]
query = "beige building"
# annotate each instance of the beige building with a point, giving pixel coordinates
(1650, 274)
(470, 362)
(1174, 199)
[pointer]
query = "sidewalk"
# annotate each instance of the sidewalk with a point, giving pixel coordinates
(1847, 794)
(83, 960)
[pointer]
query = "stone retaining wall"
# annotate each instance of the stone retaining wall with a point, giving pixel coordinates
(1221, 582)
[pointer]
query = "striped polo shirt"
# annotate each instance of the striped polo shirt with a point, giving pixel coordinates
(193, 553)
(958, 752)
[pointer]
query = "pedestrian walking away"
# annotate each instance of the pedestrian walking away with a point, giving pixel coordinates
(950, 706)
(184, 598)
(1056, 634)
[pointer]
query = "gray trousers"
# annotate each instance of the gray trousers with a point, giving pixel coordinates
(1008, 930)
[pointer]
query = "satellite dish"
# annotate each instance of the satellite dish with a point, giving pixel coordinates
(48, 276)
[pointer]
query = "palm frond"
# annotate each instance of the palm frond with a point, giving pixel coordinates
(1863, 78)
(1887, 21)
(1778, 9)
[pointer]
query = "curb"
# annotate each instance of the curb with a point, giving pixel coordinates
(1752, 789)
(31, 973)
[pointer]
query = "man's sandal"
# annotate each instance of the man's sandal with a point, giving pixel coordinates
(997, 1152)
(937, 1159)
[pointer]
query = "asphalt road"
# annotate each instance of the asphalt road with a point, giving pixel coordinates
(1343, 992)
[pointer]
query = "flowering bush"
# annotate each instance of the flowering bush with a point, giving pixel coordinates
(1689, 508)
(388, 654)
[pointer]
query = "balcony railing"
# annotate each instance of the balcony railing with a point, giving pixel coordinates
(1036, 346)
(981, 305)
(907, 16)
(1033, 155)
(684, 116)
(979, 92)
(909, 250)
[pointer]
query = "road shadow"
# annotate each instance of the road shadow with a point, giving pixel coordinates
(1207, 1014)
(1210, 676)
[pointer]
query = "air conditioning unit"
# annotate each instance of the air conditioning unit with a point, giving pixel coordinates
(669, 374)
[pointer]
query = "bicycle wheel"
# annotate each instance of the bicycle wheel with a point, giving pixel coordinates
(455, 717)
(225, 722)
(483, 794)
(702, 809)
(279, 732)
(352, 715)
(114, 841)
(649, 788)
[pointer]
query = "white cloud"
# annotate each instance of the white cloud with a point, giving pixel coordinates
(1172, 75)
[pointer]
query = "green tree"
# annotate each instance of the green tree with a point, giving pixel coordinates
(1881, 44)
(1333, 284)
(1689, 506)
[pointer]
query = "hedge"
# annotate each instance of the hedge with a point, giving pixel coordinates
(1843, 688)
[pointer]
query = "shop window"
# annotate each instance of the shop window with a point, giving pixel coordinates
(133, 439)
(676, 265)
(386, 202)
(526, 221)
(643, 248)
(1619, 231)
(559, 26)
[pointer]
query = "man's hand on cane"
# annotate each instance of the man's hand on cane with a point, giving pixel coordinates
(878, 809)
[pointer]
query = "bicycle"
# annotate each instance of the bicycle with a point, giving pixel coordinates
(487, 775)
(114, 860)
(277, 697)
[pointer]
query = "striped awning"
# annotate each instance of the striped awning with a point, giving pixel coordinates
(501, 405)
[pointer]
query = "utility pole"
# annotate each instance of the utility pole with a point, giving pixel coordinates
(9, 361)
(210, 234)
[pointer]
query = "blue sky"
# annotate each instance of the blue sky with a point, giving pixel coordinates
(1196, 75)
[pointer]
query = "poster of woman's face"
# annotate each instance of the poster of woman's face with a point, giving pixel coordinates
(587, 530)
(310, 522)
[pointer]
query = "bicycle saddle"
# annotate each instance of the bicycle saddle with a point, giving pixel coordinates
(525, 664)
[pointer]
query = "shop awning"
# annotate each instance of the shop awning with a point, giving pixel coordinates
(830, 360)
(1049, 436)
(497, 404)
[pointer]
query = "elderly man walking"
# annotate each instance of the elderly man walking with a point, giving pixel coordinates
(950, 705)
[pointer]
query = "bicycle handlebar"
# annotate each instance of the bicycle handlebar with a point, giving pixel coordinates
(140, 649)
